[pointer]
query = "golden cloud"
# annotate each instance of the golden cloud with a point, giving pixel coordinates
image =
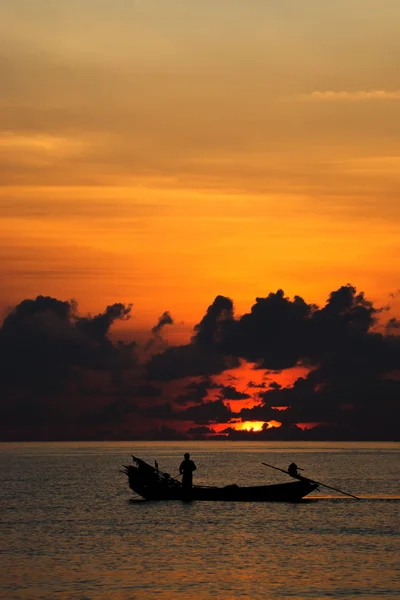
(354, 96)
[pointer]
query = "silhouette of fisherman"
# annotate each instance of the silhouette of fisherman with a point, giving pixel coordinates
(186, 470)
(293, 470)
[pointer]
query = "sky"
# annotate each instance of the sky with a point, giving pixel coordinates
(158, 155)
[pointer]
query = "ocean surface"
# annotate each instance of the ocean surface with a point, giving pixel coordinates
(71, 528)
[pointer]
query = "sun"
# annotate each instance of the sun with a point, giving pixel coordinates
(255, 425)
(248, 425)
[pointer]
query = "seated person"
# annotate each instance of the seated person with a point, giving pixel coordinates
(292, 470)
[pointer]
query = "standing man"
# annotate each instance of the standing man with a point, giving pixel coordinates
(186, 470)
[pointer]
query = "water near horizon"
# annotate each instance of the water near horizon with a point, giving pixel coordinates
(70, 531)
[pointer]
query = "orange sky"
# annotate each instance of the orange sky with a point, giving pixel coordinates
(163, 153)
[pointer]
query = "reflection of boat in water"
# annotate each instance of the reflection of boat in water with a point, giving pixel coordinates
(152, 484)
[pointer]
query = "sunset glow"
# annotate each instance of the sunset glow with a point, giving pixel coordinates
(255, 425)
(199, 257)
(115, 194)
(199, 218)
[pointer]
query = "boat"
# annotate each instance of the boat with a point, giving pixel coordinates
(152, 484)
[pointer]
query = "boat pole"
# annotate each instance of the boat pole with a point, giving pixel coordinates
(278, 469)
(312, 481)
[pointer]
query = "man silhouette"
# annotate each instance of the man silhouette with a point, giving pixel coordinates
(186, 470)
(293, 470)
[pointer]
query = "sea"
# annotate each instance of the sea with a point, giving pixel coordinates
(71, 528)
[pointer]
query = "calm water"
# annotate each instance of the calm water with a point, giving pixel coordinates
(69, 529)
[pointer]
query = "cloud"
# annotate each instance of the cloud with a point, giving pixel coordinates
(190, 360)
(262, 412)
(205, 355)
(292, 433)
(197, 391)
(351, 365)
(164, 320)
(208, 413)
(201, 431)
(229, 392)
(352, 396)
(392, 325)
(159, 411)
(204, 413)
(254, 384)
(47, 350)
(210, 329)
(353, 96)
(394, 294)
(204, 383)
(148, 390)
(44, 343)
(275, 386)
(61, 374)
(97, 327)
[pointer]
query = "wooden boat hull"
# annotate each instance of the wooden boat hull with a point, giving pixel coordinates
(284, 492)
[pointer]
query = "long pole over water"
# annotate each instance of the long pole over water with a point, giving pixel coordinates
(311, 480)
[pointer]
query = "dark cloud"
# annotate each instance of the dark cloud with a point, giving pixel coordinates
(291, 432)
(148, 390)
(113, 412)
(164, 320)
(352, 365)
(254, 384)
(274, 385)
(47, 351)
(59, 369)
(208, 413)
(205, 355)
(205, 382)
(178, 362)
(205, 413)
(285, 332)
(231, 377)
(209, 332)
(44, 344)
(393, 325)
(276, 334)
(98, 327)
(365, 407)
(159, 411)
(229, 392)
(272, 333)
(201, 431)
(197, 392)
(262, 412)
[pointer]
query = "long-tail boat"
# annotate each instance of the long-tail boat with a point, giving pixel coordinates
(152, 484)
